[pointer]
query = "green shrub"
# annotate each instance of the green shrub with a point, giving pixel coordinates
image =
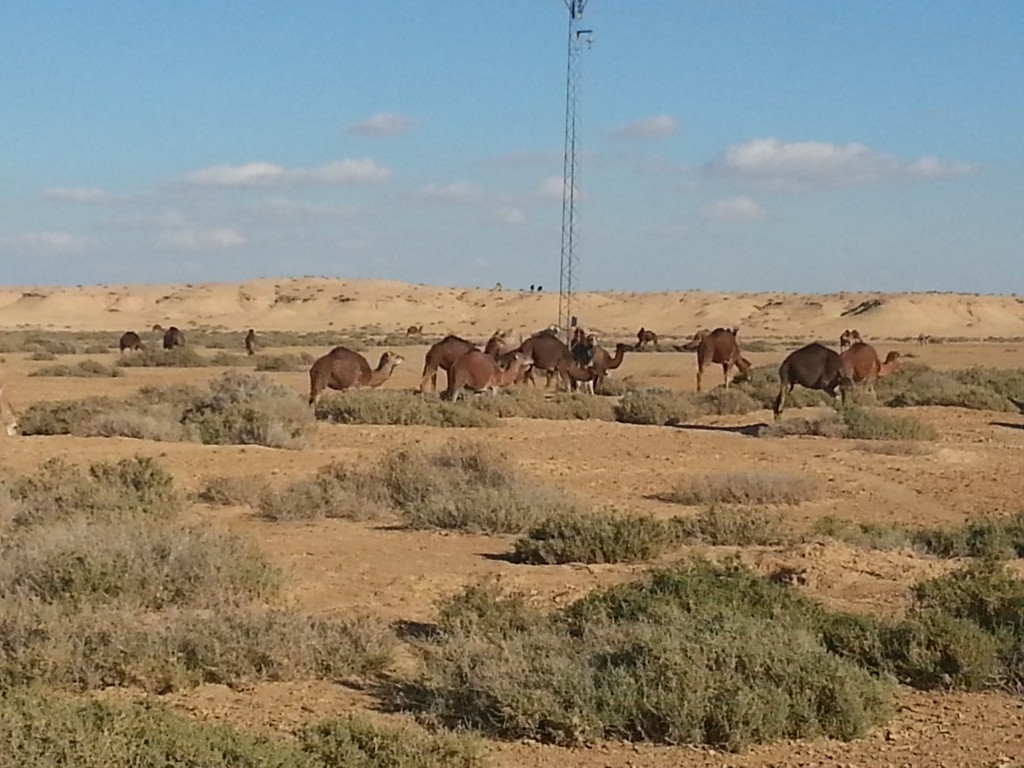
(865, 535)
(72, 417)
(178, 357)
(655, 408)
(354, 743)
(469, 487)
(919, 385)
(85, 369)
(531, 404)
(865, 424)
(334, 491)
(594, 538)
(747, 487)
(731, 526)
(391, 407)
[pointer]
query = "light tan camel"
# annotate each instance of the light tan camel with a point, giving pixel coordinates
(479, 372)
(130, 340)
(601, 362)
(342, 368)
(442, 355)
(414, 330)
(861, 365)
(720, 346)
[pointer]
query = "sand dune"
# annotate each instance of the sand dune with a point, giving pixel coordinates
(309, 304)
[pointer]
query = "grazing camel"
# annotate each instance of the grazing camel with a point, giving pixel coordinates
(173, 338)
(549, 354)
(720, 346)
(861, 364)
(8, 416)
(479, 372)
(846, 338)
(601, 362)
(130, 340)
(815, 367)
(341, 369)
(923, 339)
(250, 342)
(414, 330)
(442, 355)
(645, 337)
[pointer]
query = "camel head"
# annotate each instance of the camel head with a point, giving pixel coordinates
(389, 360)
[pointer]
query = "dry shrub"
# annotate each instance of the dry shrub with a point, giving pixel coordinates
(730, 526)
(873, 424)
(746, 487)
(233, 490)
(520, 402)
(84, 369)
(284, 362)
(896, 448)
(157, 423)
(391, 407)
(334, 491)
(827, 425)
(178, 357)
(976, 388)
(467, 486)
(595, 538)
(655, 407)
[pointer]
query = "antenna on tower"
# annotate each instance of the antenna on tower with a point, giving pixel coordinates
(570, 167)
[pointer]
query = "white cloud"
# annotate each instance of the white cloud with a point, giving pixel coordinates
(734, 209)
(382, 125)
(658, 127)
(76, 195)
(550, 188)
(508, 216)
(815, 163)
(201, 239)
(346, 171)
(456, 192)
(48, 241)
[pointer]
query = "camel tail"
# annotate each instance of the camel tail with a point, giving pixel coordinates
(784, 384)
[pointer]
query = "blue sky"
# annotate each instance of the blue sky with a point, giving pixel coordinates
(792, 145)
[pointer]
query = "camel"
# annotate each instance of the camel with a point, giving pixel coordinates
(692, 344)
(923, 339)
(479, 372)
(341, 369)
(496, 346)
(860, 363)
(250, 342)
(8, 416)
(130, 340)
(645, 337)
(414, 330)
(847, 338)
(581, 347)
(601, 362)
(157, 328)
(720, 346)
(549, 354)
(815, 367)
(442, 355)
(173, 338)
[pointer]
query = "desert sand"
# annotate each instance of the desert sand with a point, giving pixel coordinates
(336, 568)
(312, 304)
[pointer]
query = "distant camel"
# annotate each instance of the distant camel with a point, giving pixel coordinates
(601, 362)
(645, 337)
(250, 342)
(847, 338)
(861, 364)
(157, 328)
(341, 369)
(8, 416)
(442, 355)
(479, 372)
(173, 338)
(720, 346)
(414, 330)
(130, 340)
(924, 339)
(815, 367)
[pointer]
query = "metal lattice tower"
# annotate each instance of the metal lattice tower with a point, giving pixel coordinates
(569, 269)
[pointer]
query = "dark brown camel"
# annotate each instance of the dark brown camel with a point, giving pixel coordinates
(861, 364)
(250, 342)
(846, 338)
(479, 372)
(720, 346)
(645, 337)
(815, 367)
(601, 362)
(130, 340)
(549, 354)
(157, 328)
(414, 330)
(173, 338)
(442, 355)
(342, 368)
(581, 347)
(496, 345)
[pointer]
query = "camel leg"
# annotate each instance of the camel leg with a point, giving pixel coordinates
(700, 375)
(780, 401)
(725, 373)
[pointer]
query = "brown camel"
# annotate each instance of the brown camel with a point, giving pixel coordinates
(173, 338)
(645, 337)
(601, 362)
(815, 367)
(442, 355)
(414, 330)
(581, 347)
(250, 342)
(923, 339)
(341, 369)
(847, 338)
(479, 372)
(861, 364)
(692, 344)
(496, 345)
(157, 328)
(130, 340)
(549, 354)
(720, 346)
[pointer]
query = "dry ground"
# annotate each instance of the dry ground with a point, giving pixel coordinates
(337, 567)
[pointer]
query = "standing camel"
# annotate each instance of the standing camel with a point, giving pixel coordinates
(342, 368)
(479, 372)
(250, 342)
(645, 337)
(442, 355)
(720, 346)
(173, 338)
(861, 364)
(130, 340)
(815, 367)
(846, 338)
(601, 362)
